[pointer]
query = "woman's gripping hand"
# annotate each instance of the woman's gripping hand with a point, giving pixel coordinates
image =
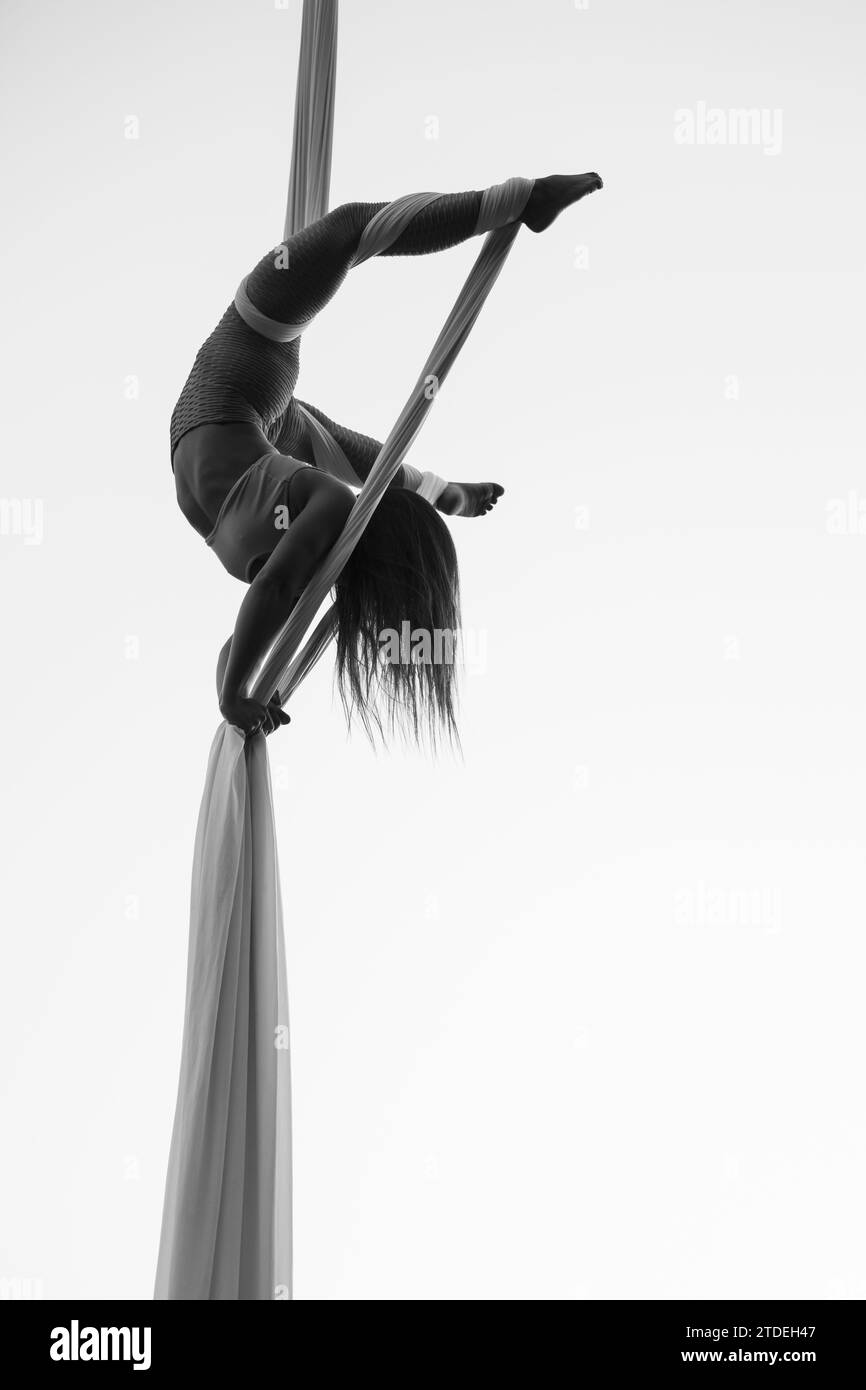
(252, 717)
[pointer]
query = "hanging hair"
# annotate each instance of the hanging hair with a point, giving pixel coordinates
(399, 595)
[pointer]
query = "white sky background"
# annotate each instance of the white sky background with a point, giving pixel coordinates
(578, 1017)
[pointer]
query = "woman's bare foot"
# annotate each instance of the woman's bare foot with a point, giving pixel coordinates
(469, 499)
(551, 195)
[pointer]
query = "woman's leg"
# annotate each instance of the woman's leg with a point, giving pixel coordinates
(240, 375)
(294, 282)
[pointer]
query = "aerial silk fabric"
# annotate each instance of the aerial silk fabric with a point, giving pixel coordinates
(227, 1214)
(227, 1218)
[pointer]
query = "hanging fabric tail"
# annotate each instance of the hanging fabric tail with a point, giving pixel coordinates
(227, 1219)
(227, 1215)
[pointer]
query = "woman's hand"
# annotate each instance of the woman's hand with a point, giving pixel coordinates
(251, 716)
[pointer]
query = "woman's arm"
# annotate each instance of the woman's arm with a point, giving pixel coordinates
(262, 613)
(273, 594)
(222, 661)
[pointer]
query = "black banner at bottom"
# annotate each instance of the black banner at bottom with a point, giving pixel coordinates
(155, 1339)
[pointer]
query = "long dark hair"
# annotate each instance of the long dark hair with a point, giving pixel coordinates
(401, 579)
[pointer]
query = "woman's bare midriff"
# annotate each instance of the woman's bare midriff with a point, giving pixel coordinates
(208, 462)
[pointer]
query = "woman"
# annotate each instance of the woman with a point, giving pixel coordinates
(241, 444)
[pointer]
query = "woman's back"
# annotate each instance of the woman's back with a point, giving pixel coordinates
(208, 462)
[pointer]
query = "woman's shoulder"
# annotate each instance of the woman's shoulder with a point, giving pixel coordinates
(310, 484)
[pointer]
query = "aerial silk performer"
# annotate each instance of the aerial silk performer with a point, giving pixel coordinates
(266, 480)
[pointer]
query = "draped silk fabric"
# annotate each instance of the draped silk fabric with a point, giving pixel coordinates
(227, 1217)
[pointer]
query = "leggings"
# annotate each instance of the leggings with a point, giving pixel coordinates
(238, 375)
